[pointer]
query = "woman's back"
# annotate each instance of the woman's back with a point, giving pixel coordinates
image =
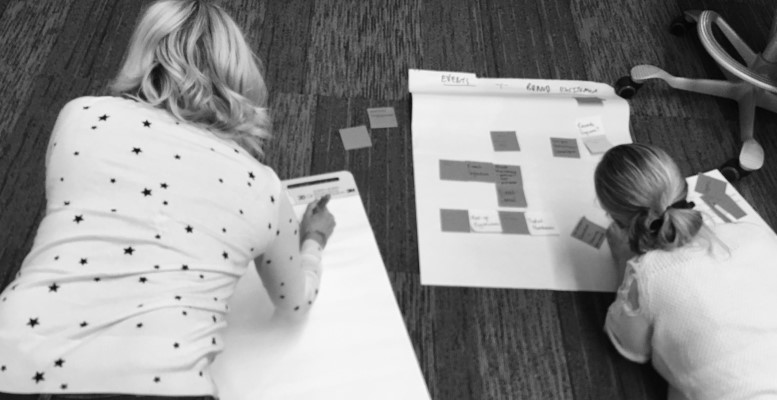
(149, 224)
(714, 329)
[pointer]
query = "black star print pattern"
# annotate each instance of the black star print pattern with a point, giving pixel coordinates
(243, 223)
(39, 376)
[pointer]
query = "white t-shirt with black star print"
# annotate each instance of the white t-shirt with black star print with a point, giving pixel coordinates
(149, 223)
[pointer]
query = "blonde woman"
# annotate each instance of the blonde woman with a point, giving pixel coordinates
(156, 204)
(695, 299)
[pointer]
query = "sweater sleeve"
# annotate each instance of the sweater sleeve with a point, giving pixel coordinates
(290, 270)
(627, 325)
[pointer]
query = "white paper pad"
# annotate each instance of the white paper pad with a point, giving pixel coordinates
(353, 345)
(454, 122)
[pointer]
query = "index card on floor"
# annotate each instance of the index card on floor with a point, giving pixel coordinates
(356, 137)
(382, 117)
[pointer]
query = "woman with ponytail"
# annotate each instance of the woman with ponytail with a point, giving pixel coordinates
(695, 299)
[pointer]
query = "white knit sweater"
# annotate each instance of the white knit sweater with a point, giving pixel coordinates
(704, 314)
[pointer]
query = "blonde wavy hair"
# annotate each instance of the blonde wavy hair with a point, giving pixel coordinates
(636, 184)
(190, 58)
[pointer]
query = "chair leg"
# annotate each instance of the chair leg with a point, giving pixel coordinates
(766, 100)
(751, 157)
(720, 88)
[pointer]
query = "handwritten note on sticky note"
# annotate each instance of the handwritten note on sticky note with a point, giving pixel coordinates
(481, 171)
(541, 224)
(356, 137)
(590, 126)
(505, 141)
(454, 220)
(382, 117)
(510, 195)
(513, 222)
(564, 148)
(454, 170)
(597, 144)
(710, 186)
(589, 233)
(508, 174)
(485, 221)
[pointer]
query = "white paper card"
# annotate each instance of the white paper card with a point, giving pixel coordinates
(382, 117)
(589, 126)
(485, 221)
(541, 223)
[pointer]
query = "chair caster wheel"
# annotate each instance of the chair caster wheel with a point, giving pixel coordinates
(626, 87)
(680, 26)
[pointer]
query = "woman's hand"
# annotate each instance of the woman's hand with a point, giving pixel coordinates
(317, 222)
(618, 240)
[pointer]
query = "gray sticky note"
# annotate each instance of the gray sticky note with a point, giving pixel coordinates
(710, 186)
(481, 171)
(454, 170)
(356, 137)
(589, 232)
(382, 117)
(454, 220)
(508, 174)
(589, 101)
(726, 203)
(513, 222)
(510, 195)
(505, 141)
(565, 147)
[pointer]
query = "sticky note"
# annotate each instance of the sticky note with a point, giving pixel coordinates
(710, 186)
(589, 101)
(589, 126)
(513, 222)
(356, 137)
(711, 204)
(510, 195)
(508, 174)
(564, 147)
(454, 220)
(597, 144)
(726, 203)
(481, 171)
(540, 223)
(485, 221)
(505, 141)
(382, 117)
(589, 233)
(454, 170)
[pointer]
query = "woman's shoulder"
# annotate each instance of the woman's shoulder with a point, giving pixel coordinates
(90, 102)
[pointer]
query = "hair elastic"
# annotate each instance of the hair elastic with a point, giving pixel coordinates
(680, 205)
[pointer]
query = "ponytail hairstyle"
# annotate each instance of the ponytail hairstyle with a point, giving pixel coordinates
(642, 189)
(191, 59)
